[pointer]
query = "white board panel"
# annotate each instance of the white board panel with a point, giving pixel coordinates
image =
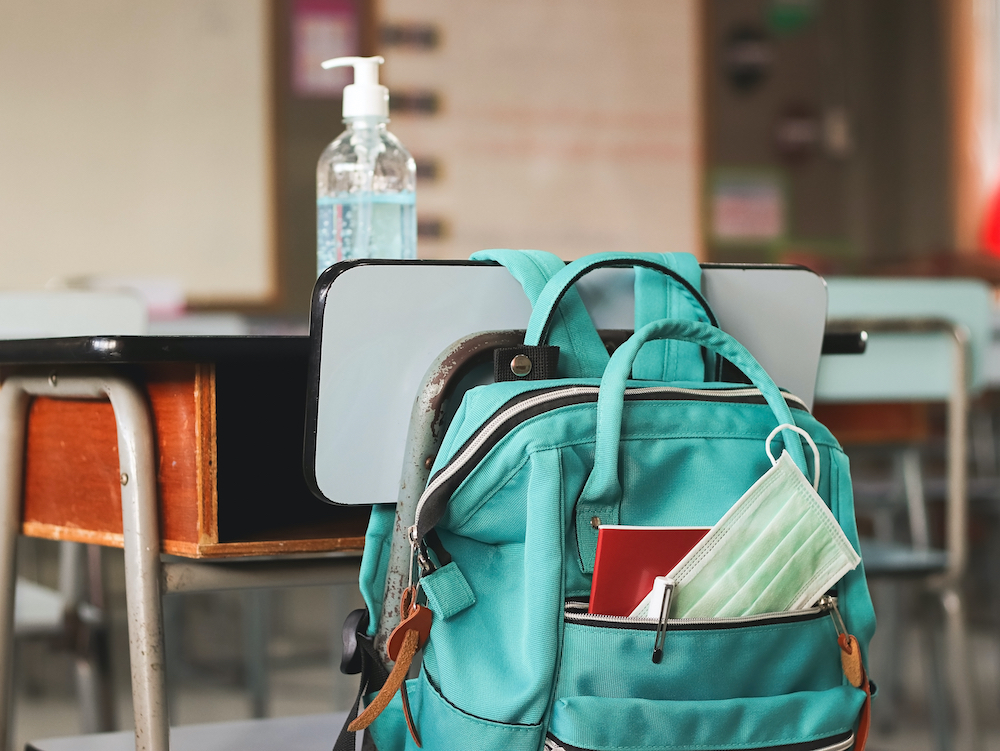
(134, 141)
(381, 326)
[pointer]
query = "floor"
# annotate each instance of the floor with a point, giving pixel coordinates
(210, 683)
(205, 645)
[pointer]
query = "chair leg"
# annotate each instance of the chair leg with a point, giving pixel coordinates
(101, 645)
(256, 633)
(93, 684)
(887, 657)
(939, 710)
(173, 649)
(72, 565)
(82, 589)
(913, 487)
(960, 671)
(984, 448)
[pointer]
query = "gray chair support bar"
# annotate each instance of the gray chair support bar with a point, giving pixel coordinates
(196, 576)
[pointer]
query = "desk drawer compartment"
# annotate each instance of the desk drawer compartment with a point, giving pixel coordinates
(229, 455)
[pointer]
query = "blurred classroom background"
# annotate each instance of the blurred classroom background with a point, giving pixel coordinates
(170, 149)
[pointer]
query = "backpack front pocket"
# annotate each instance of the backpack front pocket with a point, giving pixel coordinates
(760, 682)
(714, 658)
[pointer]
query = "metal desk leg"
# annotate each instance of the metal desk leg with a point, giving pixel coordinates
(13, 411)
(140, 526)
(141, 532)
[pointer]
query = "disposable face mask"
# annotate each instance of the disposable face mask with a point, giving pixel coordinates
(778, 548)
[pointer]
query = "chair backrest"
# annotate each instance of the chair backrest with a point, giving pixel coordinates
(41, 315)
(900, 367)
(378, 326)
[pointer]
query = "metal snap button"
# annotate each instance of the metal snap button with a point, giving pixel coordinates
(520, 366)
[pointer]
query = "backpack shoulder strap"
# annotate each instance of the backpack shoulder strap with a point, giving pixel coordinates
(581, 352)
(657, 296)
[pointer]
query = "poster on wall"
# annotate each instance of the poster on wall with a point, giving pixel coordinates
(747, 207)
(566, 126)
(322, 29)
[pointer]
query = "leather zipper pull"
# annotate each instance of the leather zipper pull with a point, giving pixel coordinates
(854, 669)
(404, 641)
(412, 617)
(392, 684)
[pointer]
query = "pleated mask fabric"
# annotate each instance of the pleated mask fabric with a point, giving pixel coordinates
(778, 548)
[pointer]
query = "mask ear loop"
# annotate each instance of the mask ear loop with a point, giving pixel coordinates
(809, 440)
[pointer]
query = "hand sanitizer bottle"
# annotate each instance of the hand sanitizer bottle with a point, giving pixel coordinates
(365, 179)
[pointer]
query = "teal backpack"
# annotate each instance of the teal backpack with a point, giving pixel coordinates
(505, 537)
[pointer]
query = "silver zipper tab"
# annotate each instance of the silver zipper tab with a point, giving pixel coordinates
(828, 603)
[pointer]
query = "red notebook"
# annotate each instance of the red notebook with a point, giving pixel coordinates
(629, 558)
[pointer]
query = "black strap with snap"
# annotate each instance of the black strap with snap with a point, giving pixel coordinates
(525, 363)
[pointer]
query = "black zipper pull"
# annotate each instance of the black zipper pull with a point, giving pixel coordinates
(661, 625)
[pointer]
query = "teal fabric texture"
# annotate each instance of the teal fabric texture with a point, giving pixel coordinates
(657, 297)
(513, 661)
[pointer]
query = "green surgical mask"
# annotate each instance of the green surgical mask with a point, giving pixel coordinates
(778, 548)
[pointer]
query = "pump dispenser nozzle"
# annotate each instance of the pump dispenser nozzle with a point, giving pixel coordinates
(365, 96)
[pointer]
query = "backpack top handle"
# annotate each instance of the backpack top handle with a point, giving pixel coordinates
(601, 495)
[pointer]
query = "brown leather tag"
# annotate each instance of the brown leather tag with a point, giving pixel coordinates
(850, 659)
(418, 620)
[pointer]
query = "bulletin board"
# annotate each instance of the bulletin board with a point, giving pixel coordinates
(563, 125)
(135, 141)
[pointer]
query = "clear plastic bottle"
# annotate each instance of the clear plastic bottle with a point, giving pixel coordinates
(365, 179)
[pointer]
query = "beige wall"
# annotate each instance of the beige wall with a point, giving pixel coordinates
(134, 140)
(567, 126)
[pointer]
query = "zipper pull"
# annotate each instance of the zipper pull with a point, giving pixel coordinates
(828, 604)
(850, 651)
(661, 625)
(404, 641)
(854, 669)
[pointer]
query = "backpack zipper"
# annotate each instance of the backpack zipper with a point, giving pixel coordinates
(487, 434)
(573, 614)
